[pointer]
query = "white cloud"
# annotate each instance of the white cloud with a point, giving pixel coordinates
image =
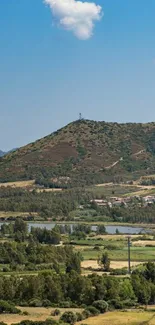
(76, 16)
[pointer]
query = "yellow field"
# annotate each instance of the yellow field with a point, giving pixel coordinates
(122, 318)
(113, 264)
(18, 184)
(35, 314)
(116, 237)
(39, 190)
(132, 317)
(143, 243)
(29, 185)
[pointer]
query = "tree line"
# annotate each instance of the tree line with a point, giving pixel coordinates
(65, 205)
(47, 204)
(34, 256)
(70, 289)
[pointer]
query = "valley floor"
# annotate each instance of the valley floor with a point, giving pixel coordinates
(123, 318)
(130, 317)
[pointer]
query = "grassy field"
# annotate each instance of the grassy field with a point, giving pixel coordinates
(99, 242)
(21, 184)
(132, 317)
(122, 190)
(116, 245)
(143, 243)
(137, 254)
(13, 214)
(34, 314)
(122, 318)
(113, 264)
(141, 192)
(111, 189)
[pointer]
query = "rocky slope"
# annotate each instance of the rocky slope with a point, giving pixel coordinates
(96, 149)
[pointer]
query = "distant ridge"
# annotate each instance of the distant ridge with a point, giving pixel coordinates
(86, 151)
(3, 153)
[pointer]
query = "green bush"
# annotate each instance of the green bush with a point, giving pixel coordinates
(92, 310)
(6, 307)
(122, 271)
(101, 305)
(69, 317)
(79, 317)
(46, 303)
(86, 313)
(35, 303)
(6, 269)
(25, 313)
(116, 304)
(65, 304)
(56, 312)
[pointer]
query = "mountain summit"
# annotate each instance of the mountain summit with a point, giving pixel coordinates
(85, 149)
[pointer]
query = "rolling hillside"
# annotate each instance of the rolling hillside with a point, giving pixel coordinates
(85, 150)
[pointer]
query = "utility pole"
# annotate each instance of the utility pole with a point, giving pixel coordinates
(129, 260)
(80, 116)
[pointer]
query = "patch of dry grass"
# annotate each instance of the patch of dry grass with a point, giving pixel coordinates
(39, 190)
(122, 318)
(113, 264)
(143, 243)
(34, 314)
(18, 184)
(115, 237)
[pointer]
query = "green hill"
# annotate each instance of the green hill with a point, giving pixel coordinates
(86, 151)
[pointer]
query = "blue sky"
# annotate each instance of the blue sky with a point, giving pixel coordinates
(48, 75)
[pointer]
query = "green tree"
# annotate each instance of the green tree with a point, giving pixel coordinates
(101, 230)
(149, 272)
(101, 305)
(69, 317)
(104, 261)
(20, 230)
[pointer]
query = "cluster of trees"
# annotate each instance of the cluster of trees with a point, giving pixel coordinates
(133, 213)
(8, 308)
(64, 204)
(81, 231)
(47, 204)
(48, 183)
(19, 232)
(34, 256)
(45, 236)
(66, 289)
(70, 289)
(143, 283)
(104, 261)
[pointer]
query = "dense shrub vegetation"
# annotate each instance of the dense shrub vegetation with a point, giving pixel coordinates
(34, 256)
(46, 204)
(69, 152)
(95, 292)
(66, 205)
